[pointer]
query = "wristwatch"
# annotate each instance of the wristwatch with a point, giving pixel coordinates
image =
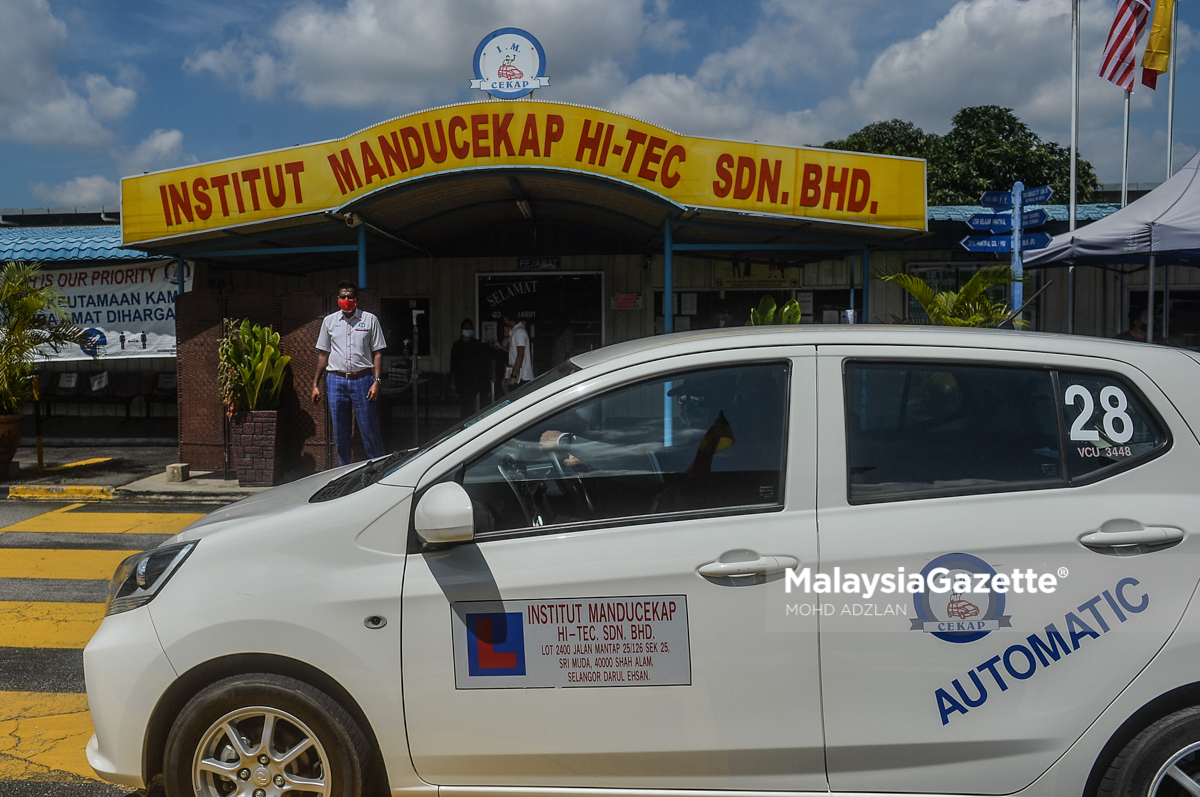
(378, 381)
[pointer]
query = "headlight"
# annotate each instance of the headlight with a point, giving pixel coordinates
(140, 577)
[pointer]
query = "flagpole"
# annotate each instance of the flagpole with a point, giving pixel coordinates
(1074, 155)
(1171, 90)
(1125, 154)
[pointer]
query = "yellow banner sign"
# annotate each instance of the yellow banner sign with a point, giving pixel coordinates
(873, 190)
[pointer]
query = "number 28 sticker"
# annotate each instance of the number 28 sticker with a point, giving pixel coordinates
(1118, 426)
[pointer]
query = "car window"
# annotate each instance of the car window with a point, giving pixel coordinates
(1108, 423)
(922, 429)
(695, 441)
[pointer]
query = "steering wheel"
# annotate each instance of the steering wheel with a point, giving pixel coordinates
(526, 497)
(572, 485)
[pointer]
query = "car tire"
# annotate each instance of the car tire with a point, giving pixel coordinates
(310, 737)
(1153, 762)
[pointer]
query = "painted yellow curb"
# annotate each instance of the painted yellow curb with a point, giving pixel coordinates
(61, 492)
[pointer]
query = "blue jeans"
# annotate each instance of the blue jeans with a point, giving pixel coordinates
(344, 395)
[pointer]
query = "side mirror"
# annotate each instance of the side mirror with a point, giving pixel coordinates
(445, 514)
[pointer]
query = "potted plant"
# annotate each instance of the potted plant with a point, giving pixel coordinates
(765, 315)
(30, 320)
(250, 379)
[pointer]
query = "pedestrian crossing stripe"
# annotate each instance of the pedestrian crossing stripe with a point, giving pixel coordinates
(29, 624)
(43, 737)
(60, 564)
(67, 521)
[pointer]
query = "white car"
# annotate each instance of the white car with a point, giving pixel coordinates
(686, 564)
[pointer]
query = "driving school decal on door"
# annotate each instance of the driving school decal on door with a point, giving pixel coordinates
(632, 641)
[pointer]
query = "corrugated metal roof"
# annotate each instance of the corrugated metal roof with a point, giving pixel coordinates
(1056, 212)
(56, 244)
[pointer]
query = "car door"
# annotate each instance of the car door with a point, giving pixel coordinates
(575, 642)
(963, 464)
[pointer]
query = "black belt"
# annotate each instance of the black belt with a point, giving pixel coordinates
(354, 375)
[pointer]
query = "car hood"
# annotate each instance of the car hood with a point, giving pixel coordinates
(269, 502)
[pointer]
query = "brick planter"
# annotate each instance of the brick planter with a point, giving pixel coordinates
(10, 438)
(254, 448)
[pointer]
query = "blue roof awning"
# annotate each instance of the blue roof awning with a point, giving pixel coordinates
(66, 244)
(1055, 212)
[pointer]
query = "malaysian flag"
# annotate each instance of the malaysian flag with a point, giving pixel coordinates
(1118, 61)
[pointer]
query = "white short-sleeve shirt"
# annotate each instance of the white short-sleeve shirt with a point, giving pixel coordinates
(520, 337)
(351, 342)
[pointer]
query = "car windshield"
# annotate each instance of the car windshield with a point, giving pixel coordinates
(373, 471)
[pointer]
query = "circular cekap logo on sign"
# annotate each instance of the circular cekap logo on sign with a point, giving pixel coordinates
(510, 63)
(959, 615)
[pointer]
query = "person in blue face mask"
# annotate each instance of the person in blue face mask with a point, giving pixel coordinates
(469, 369)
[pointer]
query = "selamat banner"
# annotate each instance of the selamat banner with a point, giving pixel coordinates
(127, 311)
(853, 188)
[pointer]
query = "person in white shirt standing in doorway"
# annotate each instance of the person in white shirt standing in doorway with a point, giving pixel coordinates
(520, 353)
(350, 357)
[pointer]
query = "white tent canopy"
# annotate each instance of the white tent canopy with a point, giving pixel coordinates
(1163, 225)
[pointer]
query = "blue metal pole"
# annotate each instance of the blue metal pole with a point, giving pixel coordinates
(1018, 293)
(668, 327)
(362, 255)
(866, 292)
(668, 280)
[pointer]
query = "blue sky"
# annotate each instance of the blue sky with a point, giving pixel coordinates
(94, 90)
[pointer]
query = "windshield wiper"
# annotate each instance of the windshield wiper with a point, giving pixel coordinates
(359, 478)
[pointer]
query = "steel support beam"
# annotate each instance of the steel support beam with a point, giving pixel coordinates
(362, 257)
(292, 250)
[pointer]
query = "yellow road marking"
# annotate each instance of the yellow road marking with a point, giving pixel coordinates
(62, 521)
(52, 563)
(81, 463)
(35, 624)
(43, 736)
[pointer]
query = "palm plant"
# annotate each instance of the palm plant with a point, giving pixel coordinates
(251, 367)
(972, 306)
(30, 321)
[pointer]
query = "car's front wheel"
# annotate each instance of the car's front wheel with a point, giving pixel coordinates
(264, 735)
(1161, 761)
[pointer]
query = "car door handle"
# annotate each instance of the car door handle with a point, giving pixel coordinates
(762, 566)
(1149, 535)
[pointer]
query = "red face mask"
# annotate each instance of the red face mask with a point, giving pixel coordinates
(348, 305)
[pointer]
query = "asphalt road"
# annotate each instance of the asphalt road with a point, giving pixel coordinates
(55, 563)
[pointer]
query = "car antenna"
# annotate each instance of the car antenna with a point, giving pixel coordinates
(1008, 322)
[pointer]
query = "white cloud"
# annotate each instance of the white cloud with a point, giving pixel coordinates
(108, 101)
(662, 32)
(80, 192)
(161, 149)
(1013, 53)
(794, 40)
(37, 105)
(402, 54)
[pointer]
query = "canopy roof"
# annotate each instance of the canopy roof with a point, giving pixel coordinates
(1164, 223)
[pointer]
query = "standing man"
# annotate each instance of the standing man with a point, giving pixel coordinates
(1137, 327)
(520, 353)
(468, 367)
(350, 357)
